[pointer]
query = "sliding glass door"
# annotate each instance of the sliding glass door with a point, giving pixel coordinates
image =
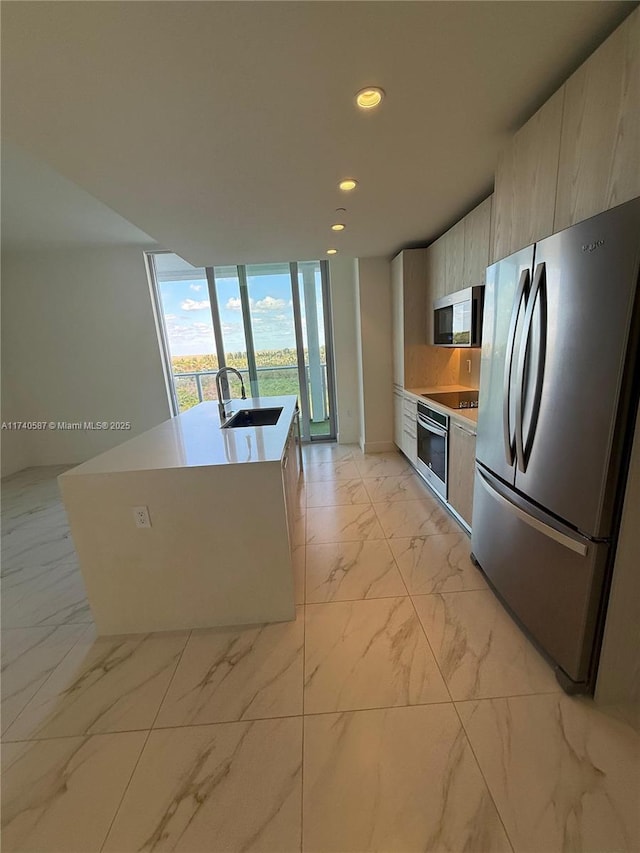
(269, 321)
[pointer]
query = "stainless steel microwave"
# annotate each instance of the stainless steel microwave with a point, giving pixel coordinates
(457, 318)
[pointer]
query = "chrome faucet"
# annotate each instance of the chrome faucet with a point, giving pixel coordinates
(221, 401)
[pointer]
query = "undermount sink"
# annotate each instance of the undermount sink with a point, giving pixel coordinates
(253, 418)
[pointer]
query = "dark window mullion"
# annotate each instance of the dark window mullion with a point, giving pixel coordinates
(302, 368)
(248, 330)
(217, 326)
(328, 347)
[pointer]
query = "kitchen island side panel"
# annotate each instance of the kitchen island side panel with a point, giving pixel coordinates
(217, 552)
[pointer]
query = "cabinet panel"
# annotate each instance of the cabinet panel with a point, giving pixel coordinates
(503, 204)
(397, 319)
(600, 147)
(454, 249)
(526, 178)
(462, 455)
(436, 280)
(290, 476)
(476, 243)
(409, 440)
(409, 288)
(398, 418)
(537, 153)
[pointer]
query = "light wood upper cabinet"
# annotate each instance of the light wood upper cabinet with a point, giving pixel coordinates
(477, 230)
(502, 206)
(524, 196)
(397, 319)
(409, 286)
(462, 460)
(454, 253)
(600, 148)
(437, 268)
(436, 280)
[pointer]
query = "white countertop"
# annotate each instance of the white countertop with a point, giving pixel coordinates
(470, 416)
(195, 439)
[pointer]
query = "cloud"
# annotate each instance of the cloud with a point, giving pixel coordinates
(192, 305)
(269, 303)
(196, 287)
(189, 338)
(259, 306)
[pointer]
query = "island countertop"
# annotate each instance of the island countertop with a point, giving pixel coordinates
(195, 439)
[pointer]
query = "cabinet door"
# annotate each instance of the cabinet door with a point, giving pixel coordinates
(397, 313)
(436, 279)
(477, 230)
(502, 213)
(462, 455)
(398, 419)
(526, 178)
(600, 151)
(414, 305)
(290, 476)
(537, 152)
(409, 439)
(454, 243)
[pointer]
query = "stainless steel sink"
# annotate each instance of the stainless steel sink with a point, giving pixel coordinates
(253, 418)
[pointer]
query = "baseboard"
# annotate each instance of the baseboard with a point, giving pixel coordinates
(378, 446)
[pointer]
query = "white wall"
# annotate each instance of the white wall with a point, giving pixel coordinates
(13, 450)
(375, 343)
(79, 344)
(343, 303)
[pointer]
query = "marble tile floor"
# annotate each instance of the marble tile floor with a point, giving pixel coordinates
(401, 711)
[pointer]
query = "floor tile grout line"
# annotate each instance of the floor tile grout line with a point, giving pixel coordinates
(279, 717)
(437, 662)
(144, 745)
(484, 779)
(51, 674)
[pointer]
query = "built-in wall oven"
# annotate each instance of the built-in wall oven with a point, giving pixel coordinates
(433, 440)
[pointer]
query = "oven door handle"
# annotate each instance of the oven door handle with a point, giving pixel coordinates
(427, 425)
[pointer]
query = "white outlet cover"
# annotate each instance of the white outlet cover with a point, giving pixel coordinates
(141, 516)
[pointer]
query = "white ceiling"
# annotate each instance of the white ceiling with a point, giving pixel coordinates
(41, 209)
(222, 128)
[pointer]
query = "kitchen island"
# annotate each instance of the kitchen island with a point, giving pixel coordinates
(221, 505)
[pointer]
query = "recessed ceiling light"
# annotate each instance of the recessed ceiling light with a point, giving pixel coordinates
(332, 251)
(369, 98)
(338, 227)
(348, 184)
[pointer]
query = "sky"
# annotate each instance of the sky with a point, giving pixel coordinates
(188, 318)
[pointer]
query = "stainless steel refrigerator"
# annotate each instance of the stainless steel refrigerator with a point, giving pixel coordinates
(558, 393)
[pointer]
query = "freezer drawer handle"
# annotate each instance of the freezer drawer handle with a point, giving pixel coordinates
(561, 538)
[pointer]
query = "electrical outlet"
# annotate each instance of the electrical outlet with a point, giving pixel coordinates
(141, 516)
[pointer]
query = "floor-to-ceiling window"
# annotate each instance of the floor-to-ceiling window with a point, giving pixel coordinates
(269, 321)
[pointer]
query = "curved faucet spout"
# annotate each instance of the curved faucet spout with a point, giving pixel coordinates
(221, 400)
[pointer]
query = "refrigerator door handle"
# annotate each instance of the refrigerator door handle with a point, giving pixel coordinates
(537, 295)
(509, 438)
(576, 545)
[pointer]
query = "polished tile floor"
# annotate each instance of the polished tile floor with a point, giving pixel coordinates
(401, 711)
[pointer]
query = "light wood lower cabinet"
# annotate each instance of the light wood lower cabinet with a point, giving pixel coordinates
(398, 416)
(409, 439)
(462, 458)
(290, 477)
